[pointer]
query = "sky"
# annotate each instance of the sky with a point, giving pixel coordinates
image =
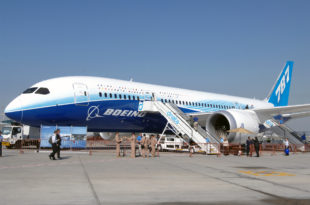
(232, 47)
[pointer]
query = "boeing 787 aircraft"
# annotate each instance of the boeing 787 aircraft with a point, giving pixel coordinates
(108, 105)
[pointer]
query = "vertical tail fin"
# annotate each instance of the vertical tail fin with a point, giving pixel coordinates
(280, 92)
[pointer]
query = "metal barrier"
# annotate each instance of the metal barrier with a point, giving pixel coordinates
(97, 145)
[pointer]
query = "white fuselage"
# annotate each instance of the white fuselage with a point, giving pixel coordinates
(105, 104)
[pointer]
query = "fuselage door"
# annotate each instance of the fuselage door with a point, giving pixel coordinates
(81, 94)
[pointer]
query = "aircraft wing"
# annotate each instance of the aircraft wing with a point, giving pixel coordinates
(283, 113)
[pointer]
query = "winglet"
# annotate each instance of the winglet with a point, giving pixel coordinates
(279, 94)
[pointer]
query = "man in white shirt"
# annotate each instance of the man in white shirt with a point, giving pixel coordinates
(54, 146)
(287, 147)
(286, 143)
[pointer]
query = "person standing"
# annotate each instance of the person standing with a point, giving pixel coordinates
(287, 147)
(145, 142)
(226, 146)
(139, 138)
(142, 145)
(195, 125)
(54, 146)
(256, 146)
(248, 146)
(118, 141)
(133, 145)
(153, 145)
(191, 121)
(58, 143)
(1, 139)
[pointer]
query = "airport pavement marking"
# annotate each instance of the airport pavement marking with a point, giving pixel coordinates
(267, 173)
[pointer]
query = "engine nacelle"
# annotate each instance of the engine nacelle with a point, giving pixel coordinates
(220, 122)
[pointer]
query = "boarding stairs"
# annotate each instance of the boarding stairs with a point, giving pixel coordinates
(285, 132)
(203, 132)
(179, 124)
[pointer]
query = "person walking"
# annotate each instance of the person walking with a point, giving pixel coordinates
(1, 139)
(248, 146)
(54, 142)
(133, 145)
(256, 146)
(286, 147)
(58, 143)
(153, 145)
(118, 141)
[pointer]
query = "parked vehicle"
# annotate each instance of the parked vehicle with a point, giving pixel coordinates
(173, 143)
(15, 136)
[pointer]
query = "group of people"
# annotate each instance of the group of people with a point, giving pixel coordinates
(145, 145)
(255, 143)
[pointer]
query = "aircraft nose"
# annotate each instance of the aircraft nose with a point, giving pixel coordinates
(14, 111)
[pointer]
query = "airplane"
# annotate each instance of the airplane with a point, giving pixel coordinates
(110, 105)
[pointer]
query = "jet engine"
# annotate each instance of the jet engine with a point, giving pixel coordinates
(220, 122)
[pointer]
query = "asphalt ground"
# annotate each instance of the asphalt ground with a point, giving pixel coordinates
(172, 178)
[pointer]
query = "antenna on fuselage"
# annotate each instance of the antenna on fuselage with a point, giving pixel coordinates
(131, 79)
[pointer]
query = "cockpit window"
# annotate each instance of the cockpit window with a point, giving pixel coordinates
(43, 91)
(30, 90)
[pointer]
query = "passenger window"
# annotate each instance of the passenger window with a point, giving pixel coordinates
(30, 90)
(115, 96)
(129, 97)
(120, 96)
(138, 98)
(133, 97)
(111, 95)
(105, 95)
(43, 91)
(125, 97)
(100, 94)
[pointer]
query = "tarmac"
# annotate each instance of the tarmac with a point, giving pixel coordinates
(172, 178)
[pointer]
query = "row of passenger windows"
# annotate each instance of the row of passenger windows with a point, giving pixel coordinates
(178, 102)
(119, 96)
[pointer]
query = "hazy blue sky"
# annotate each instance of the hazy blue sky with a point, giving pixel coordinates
(231, 47)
